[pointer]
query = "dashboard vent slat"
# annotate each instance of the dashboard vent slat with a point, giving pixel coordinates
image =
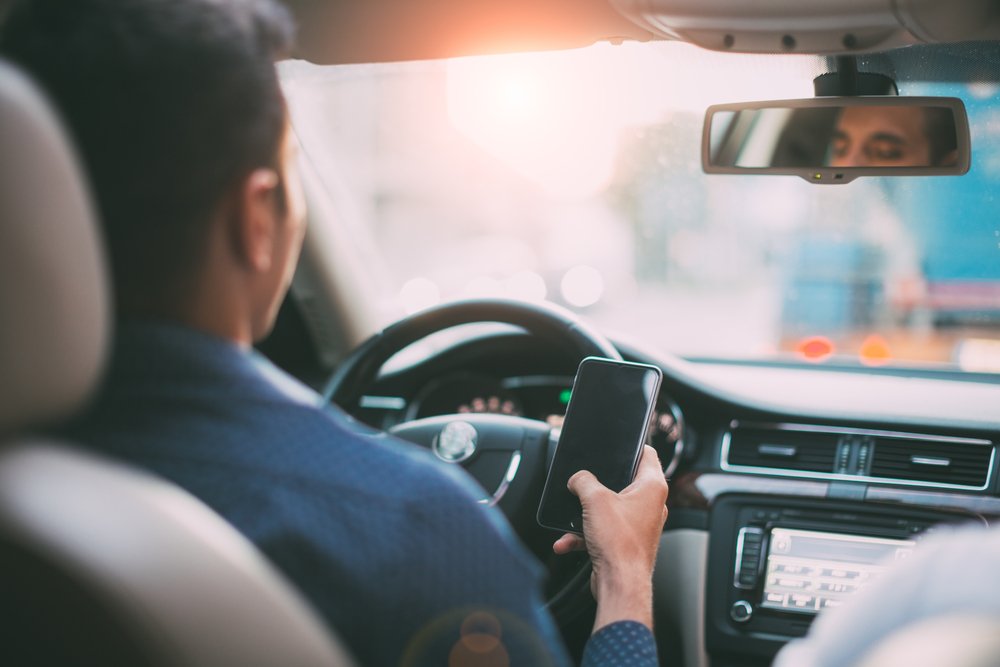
(862, 455)
(782, 450)
(932, 461)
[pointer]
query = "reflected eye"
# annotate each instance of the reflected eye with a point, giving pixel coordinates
(840, 145)
(884, 149)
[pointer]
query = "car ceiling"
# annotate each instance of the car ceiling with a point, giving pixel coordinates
(361, 31)
(371, 31)
(367, 31)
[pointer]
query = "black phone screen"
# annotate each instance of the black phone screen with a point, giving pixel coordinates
(606, 420)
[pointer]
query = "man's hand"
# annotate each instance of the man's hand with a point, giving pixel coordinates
(622, 533)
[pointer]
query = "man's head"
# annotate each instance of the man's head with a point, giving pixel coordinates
(894, 136)
(178, 115)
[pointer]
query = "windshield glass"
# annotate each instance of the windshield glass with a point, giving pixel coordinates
(576, 177)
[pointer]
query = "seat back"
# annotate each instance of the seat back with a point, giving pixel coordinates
(101, 563)
(956, 640)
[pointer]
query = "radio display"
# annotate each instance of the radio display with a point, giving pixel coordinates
(808, 571)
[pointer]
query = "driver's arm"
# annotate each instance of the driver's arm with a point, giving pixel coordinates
(622, 533)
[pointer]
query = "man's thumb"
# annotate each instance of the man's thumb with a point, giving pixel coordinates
(583, 484)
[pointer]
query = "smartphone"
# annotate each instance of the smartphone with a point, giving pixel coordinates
(607, 420)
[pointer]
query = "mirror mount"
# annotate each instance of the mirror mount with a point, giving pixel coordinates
(847, 81)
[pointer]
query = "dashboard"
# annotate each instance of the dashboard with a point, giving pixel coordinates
(789, 485)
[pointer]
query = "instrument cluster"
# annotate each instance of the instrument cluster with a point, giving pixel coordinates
(539, 397)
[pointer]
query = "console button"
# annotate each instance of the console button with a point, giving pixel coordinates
(801, 601)
(747, 574)
(748, 553)
(741, 611)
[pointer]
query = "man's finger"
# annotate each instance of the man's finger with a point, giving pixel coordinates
(569, 542)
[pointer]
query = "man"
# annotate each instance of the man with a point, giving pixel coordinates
(894, 136)
(177, 111)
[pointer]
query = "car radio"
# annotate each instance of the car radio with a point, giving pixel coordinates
(774, 563)
(807, 570)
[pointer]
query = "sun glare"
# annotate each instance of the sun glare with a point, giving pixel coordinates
(538, 114)
(515, 97)
(556, 118)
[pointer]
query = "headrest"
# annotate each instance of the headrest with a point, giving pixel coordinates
(54, 300)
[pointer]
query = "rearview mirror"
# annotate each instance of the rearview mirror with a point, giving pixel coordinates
(836, 139)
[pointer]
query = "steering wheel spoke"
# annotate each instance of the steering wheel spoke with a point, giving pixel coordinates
(494, 449)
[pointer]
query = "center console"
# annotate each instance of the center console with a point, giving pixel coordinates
(774, 563)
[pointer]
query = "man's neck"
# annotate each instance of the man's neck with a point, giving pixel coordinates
(207, 310)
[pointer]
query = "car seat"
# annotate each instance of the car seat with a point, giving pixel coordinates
(101, 563)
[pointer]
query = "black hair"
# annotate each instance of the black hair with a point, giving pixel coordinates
(171, 103)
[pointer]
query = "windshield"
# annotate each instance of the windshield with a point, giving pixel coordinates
(576, 177)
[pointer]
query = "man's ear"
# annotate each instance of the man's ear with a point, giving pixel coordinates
(950, 159)
(256, 219)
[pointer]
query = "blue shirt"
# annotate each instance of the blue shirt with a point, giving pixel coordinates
(386, 542)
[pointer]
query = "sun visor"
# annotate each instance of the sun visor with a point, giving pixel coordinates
(363, 31)
(815, 27)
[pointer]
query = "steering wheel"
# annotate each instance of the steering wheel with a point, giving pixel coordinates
(509, 456)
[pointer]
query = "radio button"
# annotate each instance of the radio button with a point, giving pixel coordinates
(741, 611)
(777, 599)
(748, 552)
(799, 601)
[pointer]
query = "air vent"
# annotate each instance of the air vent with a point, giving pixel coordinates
(932, 461)
(761, 447)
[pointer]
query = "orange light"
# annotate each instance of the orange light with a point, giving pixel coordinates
(815, 348)
(875, 351)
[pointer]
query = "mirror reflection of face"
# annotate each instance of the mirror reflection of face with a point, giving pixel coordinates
(881, 137)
